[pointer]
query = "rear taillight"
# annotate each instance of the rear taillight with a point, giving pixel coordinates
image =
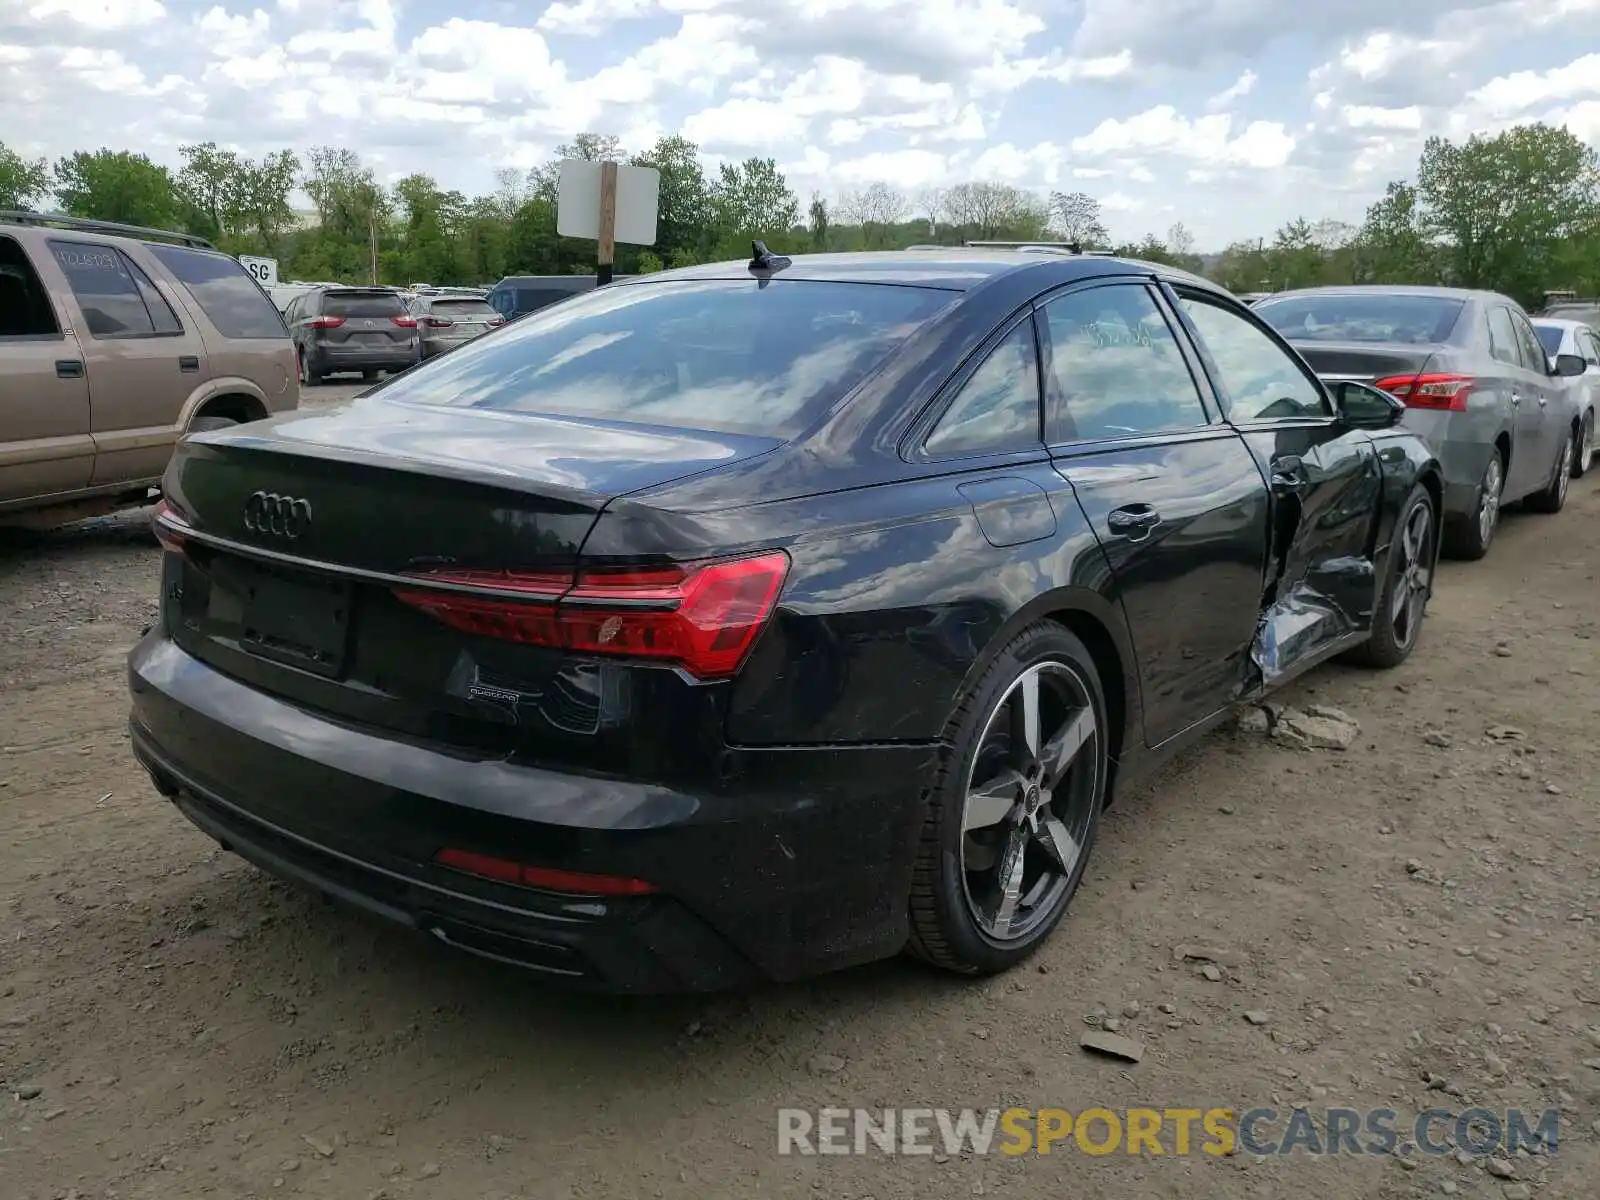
(324, 322)
(703, 617)
(1440, 390)
(504, 870)
(170, 528)
(404, 321)
(437, 322)
(494, 321)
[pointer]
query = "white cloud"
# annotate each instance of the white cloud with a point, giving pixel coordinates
(1237, 90)
(1146, 106)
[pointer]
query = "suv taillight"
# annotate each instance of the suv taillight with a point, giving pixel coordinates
(404, 321)
(324, 322)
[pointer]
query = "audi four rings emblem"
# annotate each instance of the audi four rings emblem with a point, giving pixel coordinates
(281, 516)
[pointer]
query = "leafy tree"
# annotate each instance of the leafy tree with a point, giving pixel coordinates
(22, 181)
(117, 185)
(818, 222)
(1076, 215)
(684, 209)
(751, 198)
(1502, 207)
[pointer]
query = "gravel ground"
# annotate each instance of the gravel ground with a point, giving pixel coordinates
(1412, 919)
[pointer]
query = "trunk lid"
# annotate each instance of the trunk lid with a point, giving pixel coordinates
(300, 525)
(1364, 362)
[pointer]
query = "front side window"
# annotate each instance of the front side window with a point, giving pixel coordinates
(229, 296)
(1503, 336)
(1116, 368)
(742, 356)
(1533, 354)
(1258, 379)
(997, 407)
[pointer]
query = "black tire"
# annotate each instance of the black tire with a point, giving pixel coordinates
(1410, 566)
(1469, 538)
(945, 929)
(1583, 452)
(1554, 497)
(207, 424)
(369, 376)
(308, 377)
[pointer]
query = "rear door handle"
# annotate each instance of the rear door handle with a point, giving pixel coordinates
(1543, 401)
(69, 368)
(1133, 521)
(1516, 398)
(188, 362)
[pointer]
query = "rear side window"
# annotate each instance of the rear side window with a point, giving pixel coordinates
(25, 308)
(1589, 347)
(998, 406)
(225, 292)
(362, 304)
(1533, 352)
(463, 308)
(1116, 366)
(1367, 317)
(747, 356)
(117, 298)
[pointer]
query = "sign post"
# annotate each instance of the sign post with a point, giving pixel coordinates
(609, 203)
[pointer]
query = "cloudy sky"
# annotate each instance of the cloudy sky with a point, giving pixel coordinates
(1230, 115)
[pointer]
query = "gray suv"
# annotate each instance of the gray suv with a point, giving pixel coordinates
(361, 329)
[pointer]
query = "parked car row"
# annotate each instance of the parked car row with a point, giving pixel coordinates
(761, 618)
(1509, 420)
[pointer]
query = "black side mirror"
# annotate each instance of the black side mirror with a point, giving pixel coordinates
(1567, 366)
(1366, 407)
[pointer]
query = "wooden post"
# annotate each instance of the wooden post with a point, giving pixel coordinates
(607, 249)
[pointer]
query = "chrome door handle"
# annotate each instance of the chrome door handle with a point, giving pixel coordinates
(1543, 402)
(1515, 399)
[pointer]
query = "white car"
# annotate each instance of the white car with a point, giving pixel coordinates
(1574, 337)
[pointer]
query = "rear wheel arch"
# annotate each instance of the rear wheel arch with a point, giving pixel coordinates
(1096, 622)
(237, 407)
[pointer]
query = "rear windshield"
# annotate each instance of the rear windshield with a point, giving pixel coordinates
(464, 308)
(1589, 314)
(740, 356)
(1550, 338)
(225, 291)
(362, 304)
(1363, 318)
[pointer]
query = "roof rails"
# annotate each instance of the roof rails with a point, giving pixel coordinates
(1073, 248)
(116, 228)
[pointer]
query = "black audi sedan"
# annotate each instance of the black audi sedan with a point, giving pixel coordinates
(753, 620)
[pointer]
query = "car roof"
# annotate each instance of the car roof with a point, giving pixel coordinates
(1390, 289)
(957, 268)
(1560, 323)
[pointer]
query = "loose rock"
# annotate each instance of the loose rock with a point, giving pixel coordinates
(1257, 1017)
(826, 1064)
(1437, 737)
(430, 1170)
(1112, 1044)
(1501, 1168)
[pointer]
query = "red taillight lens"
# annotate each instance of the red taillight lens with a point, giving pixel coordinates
(1444, 391)
(496, 321)
(504, 870)
(404, 321)
(170, 528)
(325, 322)
(437, 322)
(703, 617)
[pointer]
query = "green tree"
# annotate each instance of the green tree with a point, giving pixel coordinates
(684, 211)
(1503, 207)
(752, 198)
(818, 222)
(22, 181)
(1076, 216)
(117, 185)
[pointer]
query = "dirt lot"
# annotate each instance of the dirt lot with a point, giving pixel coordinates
(1400, 911)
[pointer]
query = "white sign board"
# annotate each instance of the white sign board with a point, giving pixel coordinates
(263, 270)
(578, 202)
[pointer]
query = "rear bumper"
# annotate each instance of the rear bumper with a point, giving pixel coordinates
(1462, 447)
(438, 345)
(806, 868)
(394, 357)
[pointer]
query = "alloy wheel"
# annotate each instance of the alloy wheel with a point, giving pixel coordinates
(1413, 573)
(1489, 503)
(1564, 470)
(1029, 801)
